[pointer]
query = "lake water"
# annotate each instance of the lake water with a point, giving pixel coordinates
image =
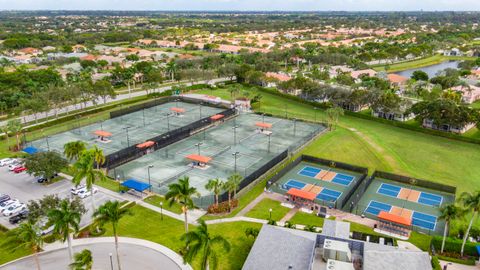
(430, 70)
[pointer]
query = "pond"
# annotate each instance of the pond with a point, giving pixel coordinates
(430, 70)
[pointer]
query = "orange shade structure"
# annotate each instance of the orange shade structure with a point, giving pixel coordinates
(217, 117)
(395, 218)
(199, 158)
(177, 110)
(302, 194)
(102, 133)
(145, 144)
(263, 125)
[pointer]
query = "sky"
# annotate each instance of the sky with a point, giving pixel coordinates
(244, 5)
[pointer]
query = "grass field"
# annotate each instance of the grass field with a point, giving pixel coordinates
(156, 200)
(307, 219)
(7, 253)
(262, 210)
(428, 61)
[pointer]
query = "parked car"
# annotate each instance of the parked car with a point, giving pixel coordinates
(46, 230)
(19, 169)
(18, 217)
(14, 209)
(43, 179)
(4, 198)
(14, 165)
(6, 204)
(85, 193)
(6, 161)
(76, 189)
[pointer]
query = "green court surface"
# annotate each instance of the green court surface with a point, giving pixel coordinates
(330, 192)
(411, 202)
(129, 129)
(220, 143)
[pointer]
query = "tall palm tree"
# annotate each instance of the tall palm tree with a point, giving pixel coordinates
(82, 260)
(65, 220)
(15, 126)
(28, 235)
(235, 180)
(172, 69)
(448, 213)
(111, 212)
(201, 242)
(6, 130)
(182, 193)
(215, 186)
(471, 202)
(98, 156)
(83, 169)
(73, 150)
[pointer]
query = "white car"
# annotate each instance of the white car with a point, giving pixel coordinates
(14, 165)
(85, 193)
(75, 190)
(6, 204)
(14, 209)
(5, 162)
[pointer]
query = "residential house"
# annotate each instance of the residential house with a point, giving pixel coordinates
(401, 115)
(453, 52)
(470, 93)
(282, 248)
(79, 48)
(29, 51)
(275, 78)
(428, 123)
(357, 73)
(397, 80)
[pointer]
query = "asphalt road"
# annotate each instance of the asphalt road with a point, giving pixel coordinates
(131, 257)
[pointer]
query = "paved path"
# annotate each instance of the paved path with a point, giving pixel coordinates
(264, 195)
(457, 266)
(290, 214)
(134, 254)
(31, 118)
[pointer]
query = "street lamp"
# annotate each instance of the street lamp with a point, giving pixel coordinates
(161, 210)
(198, 147)
(149, 181)
(235, 134)
(235, 155)
(200, 110)
(270, 212)
(263, 117)
(128, 140)
(48, 144)
(168, 121)
(143, 112)
(315, 110)
(286, 111)
(111, 261)
(294, 127)
(268, 135)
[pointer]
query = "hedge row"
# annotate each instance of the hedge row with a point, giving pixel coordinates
(372, 118)
(454, 246)
(469, 261)
(436, 264)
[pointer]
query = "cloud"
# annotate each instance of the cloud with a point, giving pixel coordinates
(298, 5)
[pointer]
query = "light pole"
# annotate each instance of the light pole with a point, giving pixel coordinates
(294, 127)
(143, 112)
(263, 118)
(235, 155)
(128, 139)
(200, 110)
(168, 121)
(161, 210)
(198, 147)
(286, 111)
(111, 261)
(315, 110)
(235, 134)
(270, 212)
(149, 181)
(48, 144)
(268, 135)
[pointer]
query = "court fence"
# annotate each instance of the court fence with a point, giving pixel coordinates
(415, 182)
(133, 152)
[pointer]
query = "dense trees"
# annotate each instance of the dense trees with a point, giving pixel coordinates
(46, 164)
(445, 112)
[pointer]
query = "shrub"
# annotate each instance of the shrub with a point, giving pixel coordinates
(50, 238)
(436, 263)
(222, 207)
(466, 261)
(97, 232)
(453, 245)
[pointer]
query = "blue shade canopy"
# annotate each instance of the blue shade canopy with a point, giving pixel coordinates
(30, 150)
(136, 185)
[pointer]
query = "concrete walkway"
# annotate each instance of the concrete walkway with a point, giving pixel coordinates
(290, 214)
(457, 266)
(134, 254)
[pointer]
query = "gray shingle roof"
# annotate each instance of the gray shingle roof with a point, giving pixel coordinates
(396, 260)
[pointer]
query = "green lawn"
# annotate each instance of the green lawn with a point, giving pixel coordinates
(7, 253)
(476, 104)
(303, 218)
(261, 210)
(168, 231)
(155, 200)
(109, 184)
(428, 61)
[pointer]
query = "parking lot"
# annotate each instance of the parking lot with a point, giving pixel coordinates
(23, 187)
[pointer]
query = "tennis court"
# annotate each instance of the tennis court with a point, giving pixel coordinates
(329, 184)
(237, 145)
(417, 204)
(130, 129)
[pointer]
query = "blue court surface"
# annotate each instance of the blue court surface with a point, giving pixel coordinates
(343, 179)
(419, 219)
(329, 195)
(309, 171)
(389, 190)
(293, 184)
(430, 199)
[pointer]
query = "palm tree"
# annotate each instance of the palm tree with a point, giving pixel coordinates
(82, 260)
(28, 235)
(65, 220)
(6, 130)
(182, 193)
(201, 242)
(471, 201)
(111, 212)
(235, 180)
(332, 116)
(98, 156)
(448, 213)
(215, 186)
(73, 150)
(172, 69)
(15, 126)
(83, 169)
